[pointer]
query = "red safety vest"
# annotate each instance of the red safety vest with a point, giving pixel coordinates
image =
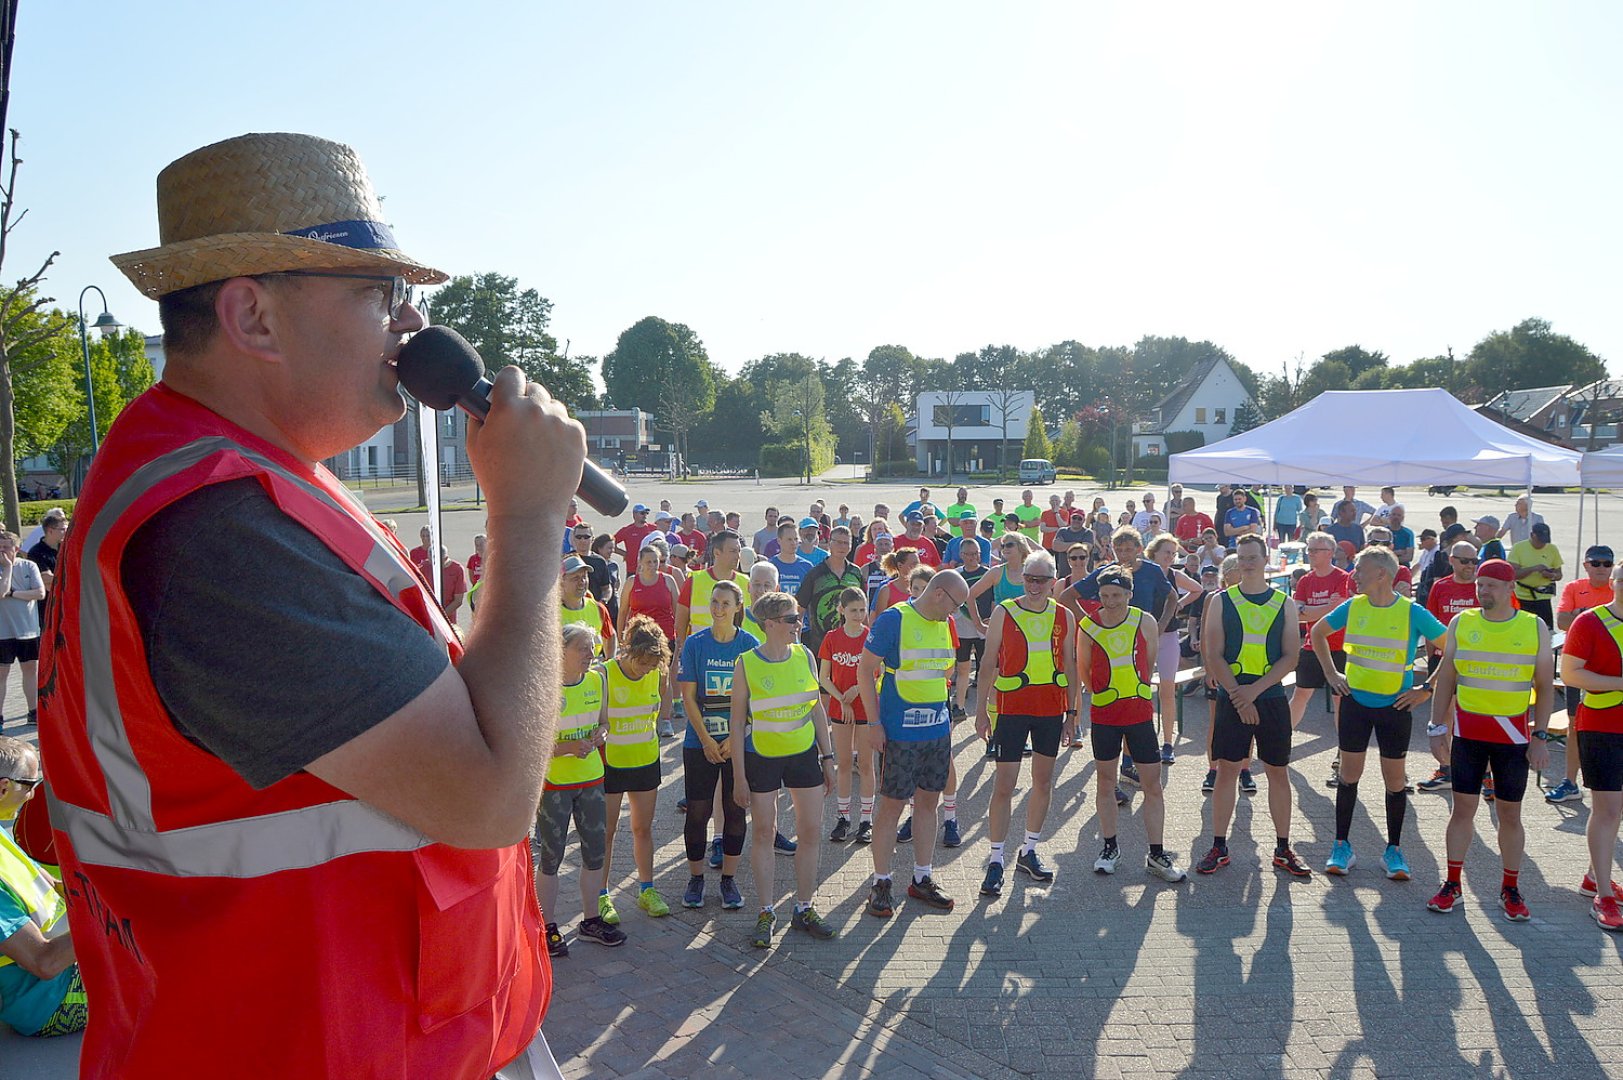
(220, 930)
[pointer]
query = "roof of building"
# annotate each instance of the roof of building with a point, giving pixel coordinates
(1600, 390)
(1520, 426)
(1525, 404)
(1170, 406)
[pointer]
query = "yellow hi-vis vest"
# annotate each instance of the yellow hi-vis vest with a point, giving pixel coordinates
(782, 696)
(587, 615)
(1605, 699)
(633, 716)
(1120, 645)
(23, 878)
(1378, 645)
(924, 656)
(1038, 629)
(582, 704)
(1251, 662)
(1494, 661)
(704, 583)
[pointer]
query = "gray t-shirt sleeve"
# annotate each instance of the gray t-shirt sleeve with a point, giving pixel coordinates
(264, 646)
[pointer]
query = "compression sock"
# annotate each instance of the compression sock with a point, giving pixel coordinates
(1346, 802)
(1397, 803)
(1454, 869)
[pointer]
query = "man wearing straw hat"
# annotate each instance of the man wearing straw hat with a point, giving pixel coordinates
(260, 733)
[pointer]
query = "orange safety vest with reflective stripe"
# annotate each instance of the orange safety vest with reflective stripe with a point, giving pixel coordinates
(353, 945)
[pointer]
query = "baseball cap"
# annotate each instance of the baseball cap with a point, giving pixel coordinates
(1541, 530)
(808, 523)
(1111, 575)
(912, 515)
(967, 515)
(1488, 520)
(573, 563)
(663, 515)
(1597, 552)
(1452, 533)
(1498, 569)
(1209, 569)
(1075, 514)
(701, 505)
(640, 508)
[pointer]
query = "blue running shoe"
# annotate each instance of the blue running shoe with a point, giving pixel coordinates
(693, 895)
(783, 845)
(731, 898)
(1565, 791)
(949, 834)
(1342, 859)
(1395, 865)
(716, 853)
(904, 835)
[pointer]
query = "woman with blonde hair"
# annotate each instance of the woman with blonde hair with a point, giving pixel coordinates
(637, 681)
(899, 565)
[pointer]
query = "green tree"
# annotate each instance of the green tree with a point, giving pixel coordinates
(649, 355)
(1037, 443)
(1358, 360)
(1069, 445)
(1325, 375)
(1246, 417)
(797, 415)
(121, 372)
(1530, 354)
(1064, 377)
(509, 325)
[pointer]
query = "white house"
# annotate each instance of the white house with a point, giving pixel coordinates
(976, 421)
(1205, 401)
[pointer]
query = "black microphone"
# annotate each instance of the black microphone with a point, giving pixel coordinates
(440, 369)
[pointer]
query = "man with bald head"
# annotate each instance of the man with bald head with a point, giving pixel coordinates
(910, 648)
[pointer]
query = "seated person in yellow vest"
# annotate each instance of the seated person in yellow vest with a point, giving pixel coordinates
(786, 744)
(578, 607)
(1498, 661)
(1115, 653)
(1592, 660)
(1032, 657)
(1249, 643)
(631, 756)
(40, 991)
(705, 680)
(912, 643)
(693, 600)
(574, 791)
(1383, 631)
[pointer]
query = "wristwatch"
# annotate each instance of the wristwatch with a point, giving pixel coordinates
(1542, 736)
(825, 757)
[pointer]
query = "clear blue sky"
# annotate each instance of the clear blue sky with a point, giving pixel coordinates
(824, 178)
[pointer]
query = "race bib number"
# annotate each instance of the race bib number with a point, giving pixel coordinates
(717, 726)
(922, 718)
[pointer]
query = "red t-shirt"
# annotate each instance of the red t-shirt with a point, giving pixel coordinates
(476, 567)
(1124, 711)
(1051, 524)
(1589, 639)
(1190, 526)
(453, 581)
(1449, 597)
(928, 555)
(864, 554)
(695, 540)
(1316, 591)
(842, 651)
(630, 538)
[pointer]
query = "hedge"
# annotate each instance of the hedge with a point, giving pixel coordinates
(32, 513)
(789, 459)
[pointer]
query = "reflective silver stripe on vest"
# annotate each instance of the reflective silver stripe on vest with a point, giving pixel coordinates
(331, 831)
(781, 727)
(1477, 682)
(782, 701)
(635, 738)
(1508, 658)
(245, 848)
(920, 674)
(631, 712)
(924, 654)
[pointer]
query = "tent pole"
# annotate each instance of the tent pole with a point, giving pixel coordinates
(1579, 552)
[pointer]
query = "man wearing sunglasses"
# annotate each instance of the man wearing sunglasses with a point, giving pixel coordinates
(1591, 591)
(40, 989)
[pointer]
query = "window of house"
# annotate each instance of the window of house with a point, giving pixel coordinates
(1155, 449)
(1200, 416)
(1218, 417)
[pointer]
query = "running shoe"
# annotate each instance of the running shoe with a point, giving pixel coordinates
(1247, 783)
(783, 845)
(666, 731)
(693, 895)
(1565, 791)
(1393, 862)
(1163, 867)
(1129, 773)
(1446, 898)
(927, 892)
(605, 910)
(1121, 796)
(904, 835)
(555, 941)
(731, 898)
(842, 831)
(864, 833)
(992, 884)
(1167, 757)
(880, 904)
(653, 904)
(1487, 789)
(1107, 860)
(1605, 912)
(1031, 864)
(716, 853)
(1213, 860)
(1510, 898)
(1437, 781)
(1335, 774)
(1210, 782)
(762, 938)
(949, 833)
(1342, 859)
(807, 921)
(1288, 861)
(601, 932)
(1587, 888)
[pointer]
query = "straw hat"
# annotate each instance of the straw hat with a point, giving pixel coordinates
(261, 203)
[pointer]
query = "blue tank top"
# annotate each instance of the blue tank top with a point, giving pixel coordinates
(1006, 589)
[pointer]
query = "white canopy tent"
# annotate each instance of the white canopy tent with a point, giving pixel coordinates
(1377, 438)
(1599, 469)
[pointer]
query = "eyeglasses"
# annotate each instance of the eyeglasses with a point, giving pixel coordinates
(791, 620)
(400, 293)
(1077, 558)
(1600, 562)
(1473, 562)
(27, 782)
(1006, 547)
(1038, 579)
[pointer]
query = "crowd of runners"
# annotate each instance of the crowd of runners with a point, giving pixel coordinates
(832, 655)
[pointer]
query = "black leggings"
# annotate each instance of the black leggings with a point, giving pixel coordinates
(700, 777)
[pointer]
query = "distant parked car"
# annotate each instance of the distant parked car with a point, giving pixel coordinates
(1037, 471)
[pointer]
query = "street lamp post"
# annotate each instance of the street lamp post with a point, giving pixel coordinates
(104, 323)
